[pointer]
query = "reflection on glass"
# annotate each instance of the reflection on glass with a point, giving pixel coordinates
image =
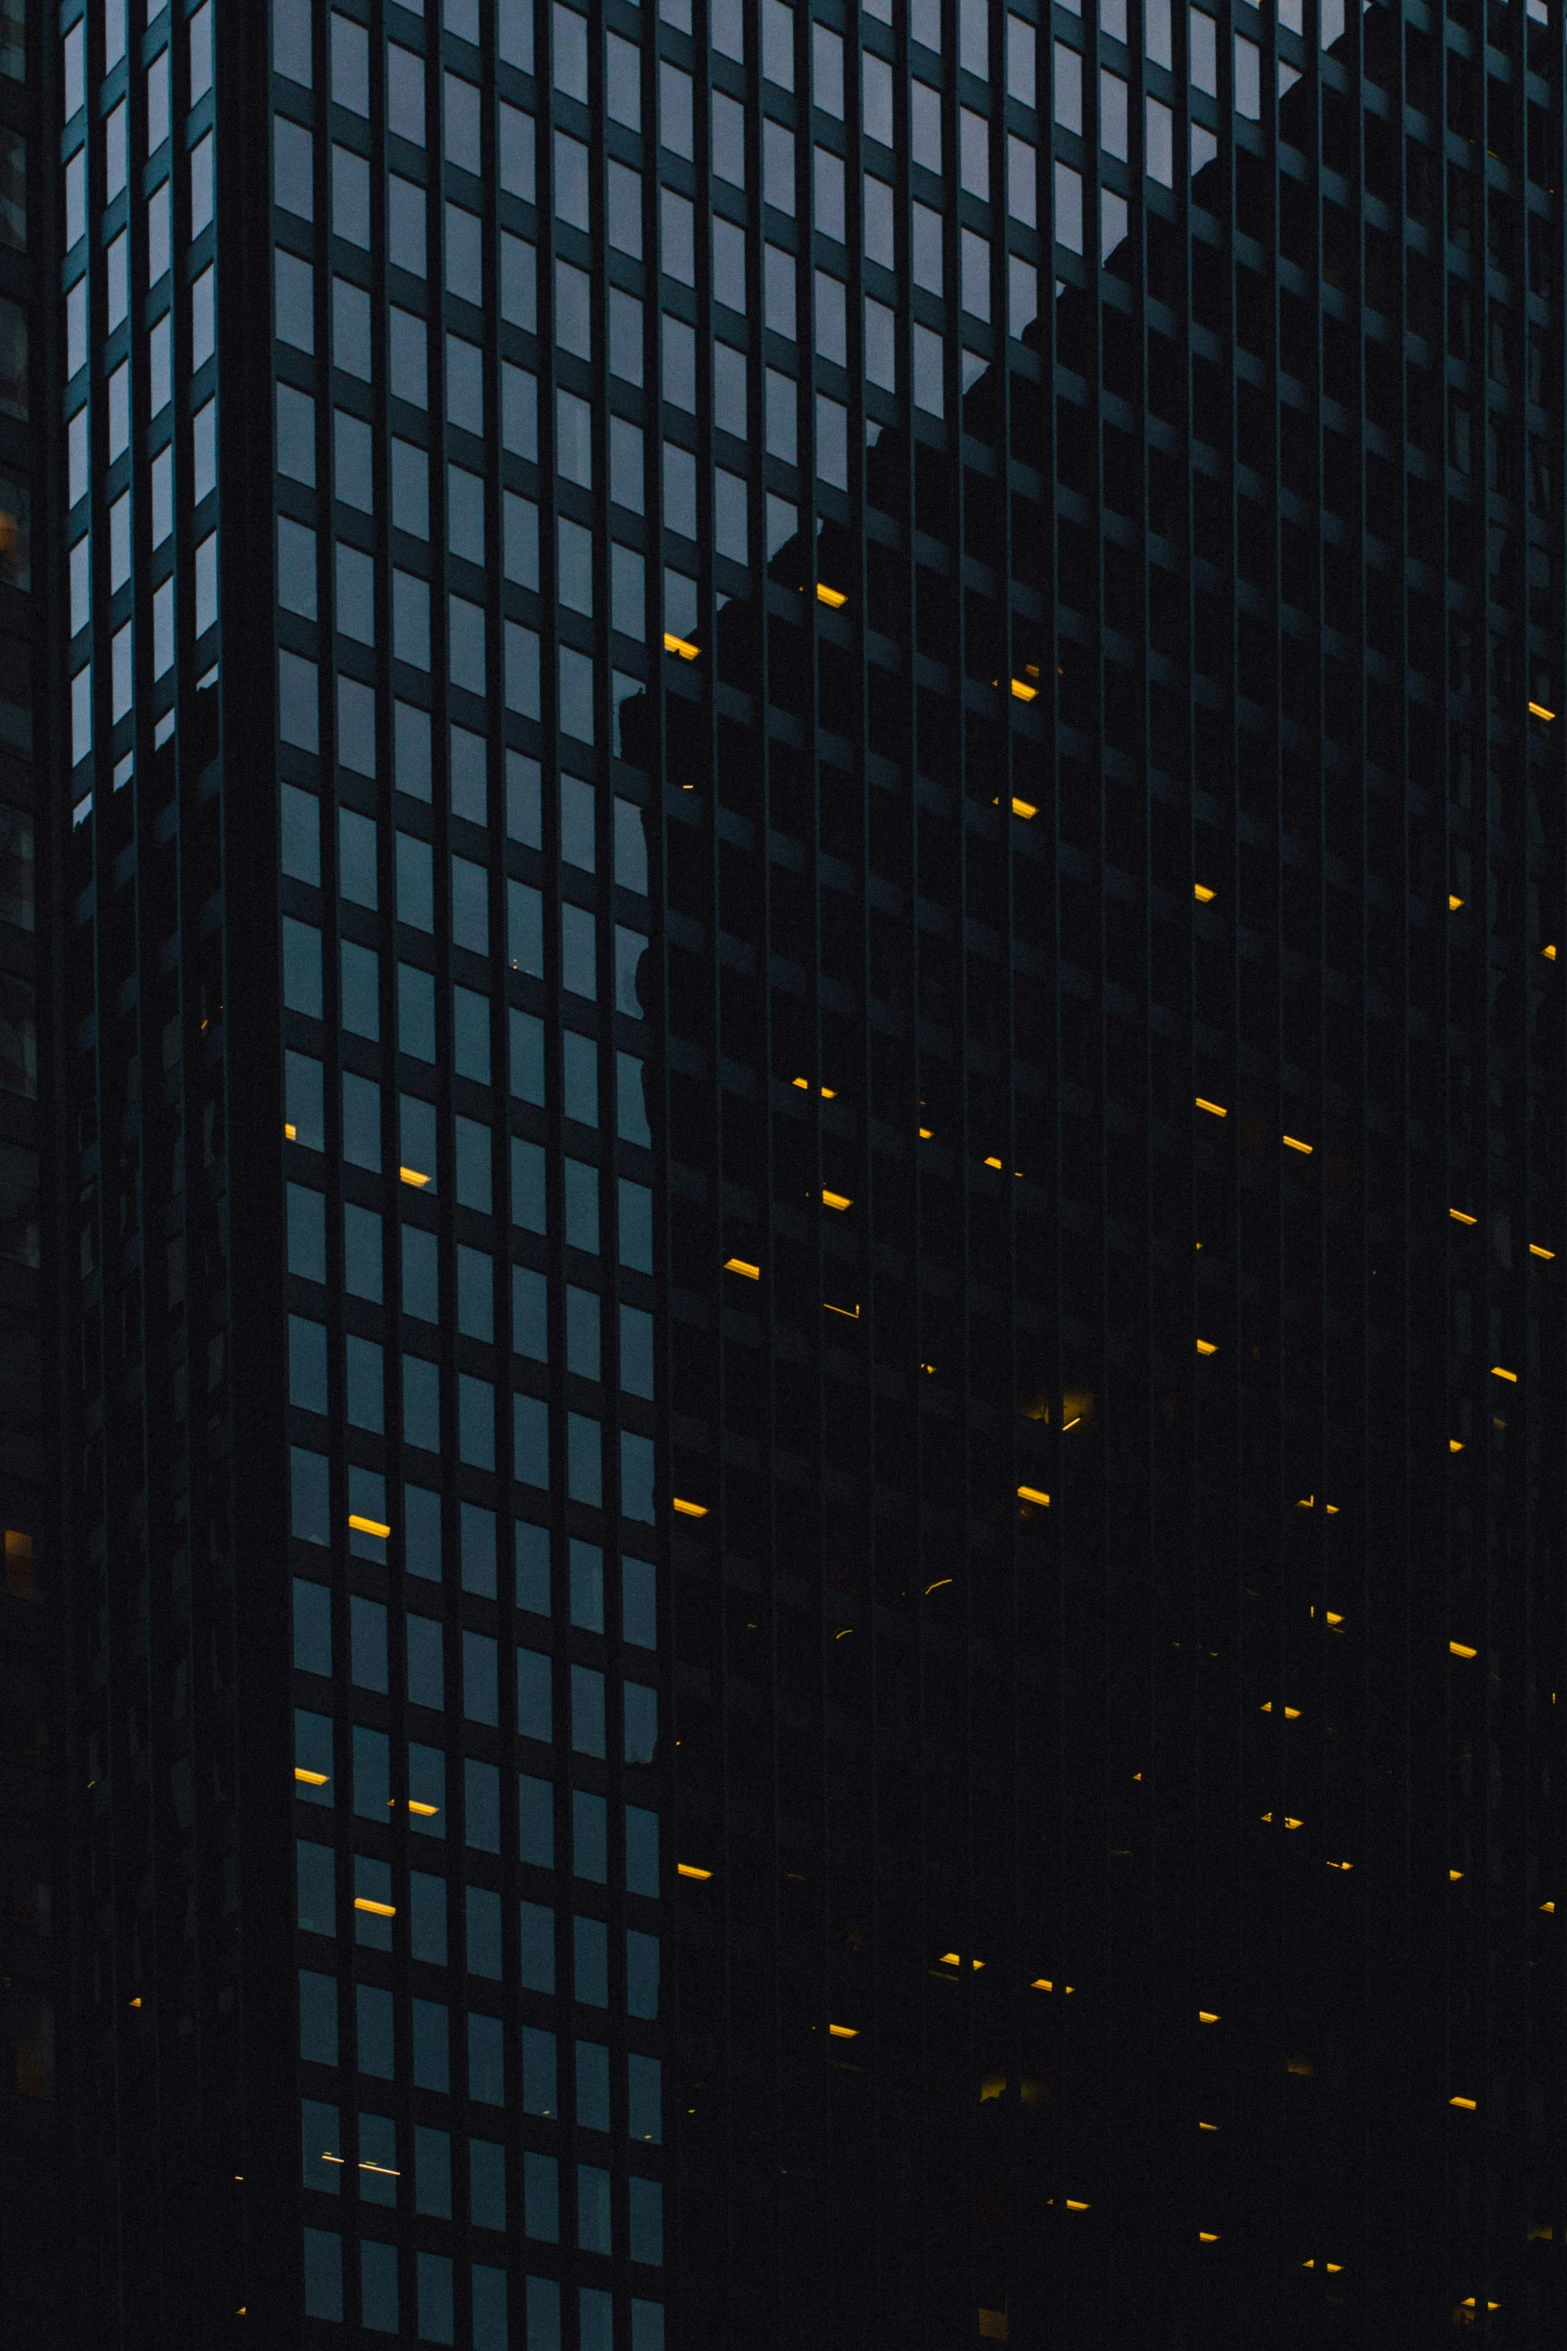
(18, 1222)
(18, 1038)
(378, 2169)
(16, 537)
(13, 359)
(16, 867)
(13, 190)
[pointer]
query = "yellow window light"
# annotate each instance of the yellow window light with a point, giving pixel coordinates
(927, 1134)
(681, 645)
(687, 1509)
(368, 1526)
(136, 2003)
(413, 1176)
(753, 1273)
(1453, 904)
(1453, 1876)
(311, 1779)
(376, 1909)
(1207, 2126)
(1214, 1109)
(849, 1313)
(1023, 692)
(803, 1085)
(1461, 1216)
(1207, 2236)
(992, 1163)
(844, 2032)
(829, 1093)
(1341, 1865)
(689, 1869)
(836, 1199)
(1207, 2016)
(1538, 710)
(289, 1134)
(422, 1811)
(1547, 1906)
(1535, 1250)
(1293, 1143)
(834, 597)
(939, 1585)
(948, 1959)
(1498, 1372)
(1334, 1618)
(1074, 2204)
(1024, 808)
(1468, 2104)
(1290, 1713)
(1033, 1494)
(1455, 1444)
(1203, 895)
(1206, 1347)
(1462, 1649)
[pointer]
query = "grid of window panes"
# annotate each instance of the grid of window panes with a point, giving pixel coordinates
(1116, 1244)
(139, 315)
(464, 920)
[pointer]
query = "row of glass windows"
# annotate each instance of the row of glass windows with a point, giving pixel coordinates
(425, 1932)
(364, 1373)
(422, 2028)
(513, 26)
(361, 849)
(585, 1599)
(379, 2172)
(587, 1700)
(368, 1630)
(378, 2304)
(472, 1550)
(588, 2068)
(579, 1313)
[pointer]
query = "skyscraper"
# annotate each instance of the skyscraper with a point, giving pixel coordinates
(803, 969)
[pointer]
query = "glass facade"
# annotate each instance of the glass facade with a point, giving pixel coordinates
(806, 917)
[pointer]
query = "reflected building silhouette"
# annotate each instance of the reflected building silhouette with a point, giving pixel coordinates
(1082, 1694)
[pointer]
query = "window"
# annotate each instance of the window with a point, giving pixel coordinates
(405, 225)
(405, 95)
(350, 197)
